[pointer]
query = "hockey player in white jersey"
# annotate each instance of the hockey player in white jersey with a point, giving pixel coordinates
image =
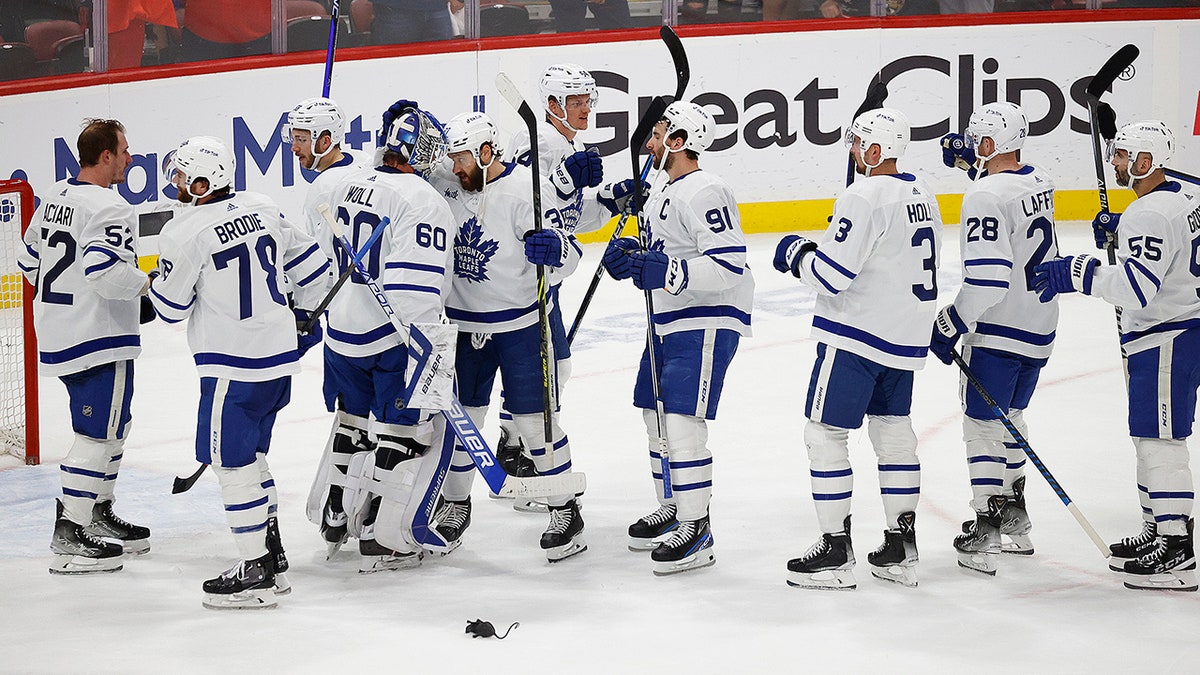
(1007, 335)
(1154, 282)
(226, 265)
(702, 292)
(494, 301)
(389, 458)
(875, 274)
(80, 254)
(568, 94)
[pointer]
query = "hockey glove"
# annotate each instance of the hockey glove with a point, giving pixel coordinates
(616, 257)
(547, 247)
(1065, 275)
(616, 197)
(654, 270)
(956, 154)
(789, 251)
(1104, 228)
(306, 341)
(948, 326)
(146, 311)
(579, 170)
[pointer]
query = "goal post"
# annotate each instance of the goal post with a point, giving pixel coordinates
(18, 347)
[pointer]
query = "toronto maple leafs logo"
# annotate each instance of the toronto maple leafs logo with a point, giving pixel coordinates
(471, 252)
(658, 245)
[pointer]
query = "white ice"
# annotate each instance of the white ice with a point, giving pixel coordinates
(603, 611)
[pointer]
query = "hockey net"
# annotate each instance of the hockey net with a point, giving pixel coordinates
(18, 349)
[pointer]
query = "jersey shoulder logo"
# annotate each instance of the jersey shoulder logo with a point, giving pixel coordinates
(472, 252)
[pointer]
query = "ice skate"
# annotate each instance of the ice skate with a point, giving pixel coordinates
(76, 551)
(1015, 524)
(896, 558)
(451, 519)
(247, 585)
(511, 457)
(827, 565)
(333, 524)
(1170, 565)
(689, 547)
(649, 531)
(279, 561)
(378, 558)
(979, 548)
(1132, 548)
(563, 536)
(134, 539)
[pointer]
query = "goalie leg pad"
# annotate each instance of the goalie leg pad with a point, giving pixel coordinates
(432, 349)
(457, 486)
(899, 469)
(830, 473)
(409, 488)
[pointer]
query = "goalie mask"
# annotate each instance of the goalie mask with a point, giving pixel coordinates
(689, 118)
(1005, 123)
(1149, 136)
(885, 127)
(471, 131)
(201, 157)
(418, 138)
(566, 79)
(317, 116)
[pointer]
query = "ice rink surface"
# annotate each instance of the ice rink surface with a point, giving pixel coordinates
(1060, 610)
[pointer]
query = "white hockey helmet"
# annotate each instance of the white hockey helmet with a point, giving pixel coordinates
(1003, 122)
(203, 157)
(317, 116)
(1150, 136)
(566, 79)
(471, 131)
(691, 119)
(886, 127)
(418, 138)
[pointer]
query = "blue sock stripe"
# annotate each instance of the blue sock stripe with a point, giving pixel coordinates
(830, 497)
(1146, 510)
(1169, 516)
(1012, 446)
(686, 487)
(900, 490)
(899, 467)
(656, 475)
(987, 458)
(74, 470)
(272, 509)
(79, 493)
(1172, 495)
(246, 506)
(269, 483)
(998, 482)
(117, 457)
(461, 469)
(562, 443)
(1143, 488)
(556, 470)
(691, 464)
(1015, 465)
(110, 476)
(249, 528)
(839, 473)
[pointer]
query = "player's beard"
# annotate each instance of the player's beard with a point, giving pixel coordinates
(471, 179)
(1122, 176)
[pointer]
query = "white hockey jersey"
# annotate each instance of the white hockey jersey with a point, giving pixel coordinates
(495, 288)
(225, 266)
(1157, 273)
(321, 192)
(875, 271)
(410, 262)
(80, 254)
(1007, 229)
(695, 218)
(577, 212)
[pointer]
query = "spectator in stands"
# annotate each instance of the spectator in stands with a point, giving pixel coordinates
(222, 29)
(127, 28)
(967, 6)
(569, 14)
(404, 21)
(831, 9)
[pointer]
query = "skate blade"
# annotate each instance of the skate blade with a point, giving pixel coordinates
(253, 599)
(568, 550)
(905, 575)
(450, 547)
(1016, 544)
(530, 506)
(695, 561)
(642, 545)
(64, 563)
(282, 585)
(1184, 580)
(332, 548)
(493, 495)
(135, 546)
(826, 580)
(387, 563)
(984, 563)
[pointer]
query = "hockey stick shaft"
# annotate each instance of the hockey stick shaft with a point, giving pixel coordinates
(345, 276)
(1021, 441)
(459, 421)
(333, 33)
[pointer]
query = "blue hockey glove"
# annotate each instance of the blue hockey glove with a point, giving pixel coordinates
(788, 253)
(948, 326)
(146, 311)
(1104, 228)
(616, 257)
(306, 341)
(956, 154)
(654, 270)
(1065, 275)
(578, 170)
(616, 196)
(547, 247)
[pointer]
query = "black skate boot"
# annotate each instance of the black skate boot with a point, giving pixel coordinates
(135, 539)
(1132, 548)
(647, 529)
(76, 551)
(689, 547)
(333, 522)
(1169, 565)
(247, 585)
(452, 518)
(1014, 523)
(979, 548)
(508, 452)
(375, 556)
(896, 558)
(279, 561)
(827, 565)
(563, 537)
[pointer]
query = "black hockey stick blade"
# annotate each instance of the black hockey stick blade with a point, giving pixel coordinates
(640, 133)
(877, 93)
(1114, 66)
(185, 484)
(1106, 120)
(683, 72)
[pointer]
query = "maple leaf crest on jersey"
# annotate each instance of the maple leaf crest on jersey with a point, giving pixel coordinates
(471, 252)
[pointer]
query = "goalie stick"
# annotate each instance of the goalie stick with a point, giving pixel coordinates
(1037, 461)
(683, 74)
(877, 93)
(460, 422)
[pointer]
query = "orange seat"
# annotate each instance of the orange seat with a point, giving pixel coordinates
(42, 36)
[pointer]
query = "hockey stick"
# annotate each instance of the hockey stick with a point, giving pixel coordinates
(683, 74)
(333, 31)
(1106, 118)
(657, 107)
(510, 93)
(460, 422)
(366, 248)
(877, 93)
(1037, 461)
(185, 484)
